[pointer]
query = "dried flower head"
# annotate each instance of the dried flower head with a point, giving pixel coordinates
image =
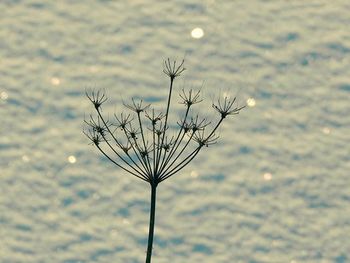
(154, 118)
(190, 98)
(93, 136)
(185, 126)
(166, 145)
(225, 108)
(198, 124)
(172, 70)
(96, 98)
(146, 149)
(204, 140)
(132, 132)
(160, 130)
(123, 120)
(136, 106)
(97, 125)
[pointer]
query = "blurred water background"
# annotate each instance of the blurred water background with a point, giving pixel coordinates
(275, 188)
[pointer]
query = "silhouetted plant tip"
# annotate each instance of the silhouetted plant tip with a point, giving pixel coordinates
(186, 126)
(94, 136)
(170, 69)
(198, 124)
(97, 98)
(97, 126)
(123, 120)
(204, 140)
(138, 142)
(226, 107)
(132, 133)
(190, 98)
(154, 118)
(126, 148)
(136, 106)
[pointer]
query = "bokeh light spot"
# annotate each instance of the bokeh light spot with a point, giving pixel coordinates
(194, 174)
(251, 102)
(267, 176)
(197, 33)
(4, 95)
(55, 81)
(25, 158)
(126, 221)
(93, 69)
(72, 159)
(326, 130)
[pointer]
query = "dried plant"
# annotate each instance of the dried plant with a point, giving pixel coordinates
(158, 156)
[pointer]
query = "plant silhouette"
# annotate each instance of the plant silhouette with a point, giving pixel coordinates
(158, 156)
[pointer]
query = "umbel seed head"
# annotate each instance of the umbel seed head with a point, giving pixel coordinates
(140, 143)
(172, 70)
(96, 98)
(226, 108)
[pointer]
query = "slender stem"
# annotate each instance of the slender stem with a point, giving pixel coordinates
(125, 169)
(151, 223)
(159, 152)
(143, 158)
(136, 153)
(168, 105)
(179, 166)
(105, 124)
(156, 173)
(166, 168)
(144, 144)
(166, 174)
(174, 160)
(118, 143)
(175, 145)
(154, 148)
(141, 173)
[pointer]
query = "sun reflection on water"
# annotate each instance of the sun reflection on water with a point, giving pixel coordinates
(251, 102)
(267, 176)
(4, 95)
(197, 33)
(25, 158)
(55, 81)
(194, 174)
(126, 221)
(72, 159)
(326, 130)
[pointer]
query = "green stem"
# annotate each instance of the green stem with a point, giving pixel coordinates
(151, 223)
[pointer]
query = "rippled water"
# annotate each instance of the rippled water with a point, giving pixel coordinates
(274, 189)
